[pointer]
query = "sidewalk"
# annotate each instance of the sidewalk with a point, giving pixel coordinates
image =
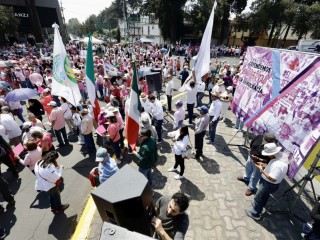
(217, 199)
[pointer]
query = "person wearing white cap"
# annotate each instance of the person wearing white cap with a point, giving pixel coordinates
(214, 114)
(145, 103)
(58, 124)
(272, 175)
(169, 90)
(157, 112)
(226, 99)
(179, 115)
(86, 131)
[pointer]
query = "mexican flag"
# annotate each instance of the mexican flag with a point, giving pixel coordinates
(132, 119)
(90, 74)
(64, 83)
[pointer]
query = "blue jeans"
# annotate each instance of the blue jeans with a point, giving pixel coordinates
(159, 129)
(252, 174)
(89, 142)
(19, 115)
(179, 125)
(262, 196)
(190, 112)
(62, 132)
(147, 174)
(100, 89)
(213, 128)
(200, 95)
(239, 124)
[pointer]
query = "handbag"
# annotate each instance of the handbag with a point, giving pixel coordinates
(187, 153)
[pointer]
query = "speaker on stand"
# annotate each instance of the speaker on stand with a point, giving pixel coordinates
(125, 199)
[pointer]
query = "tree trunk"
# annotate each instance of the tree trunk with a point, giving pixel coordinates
(271, 32)
(285, 35)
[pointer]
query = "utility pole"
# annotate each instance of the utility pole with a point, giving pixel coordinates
(63, 21)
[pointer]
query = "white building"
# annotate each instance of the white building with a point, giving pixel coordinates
(136, 28)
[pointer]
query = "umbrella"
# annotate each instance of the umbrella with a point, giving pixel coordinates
(36, 79)
(4, 84)
(116, 74)
(20, 94)
(144, 71)
(4, 64)
(163, 50)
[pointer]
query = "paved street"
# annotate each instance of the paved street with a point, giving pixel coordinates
(217, 199)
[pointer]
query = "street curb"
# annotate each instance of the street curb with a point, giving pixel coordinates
(83, 227)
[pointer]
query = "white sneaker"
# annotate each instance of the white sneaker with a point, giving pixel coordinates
(209, 142)
(171, 169)
(80, 143)
(178, 177)
(118, 161)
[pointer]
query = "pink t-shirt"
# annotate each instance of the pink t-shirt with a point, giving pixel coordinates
(32, 157)
(57, 115)
(113, 129)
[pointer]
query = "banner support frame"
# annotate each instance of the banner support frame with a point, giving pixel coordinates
(307, 178)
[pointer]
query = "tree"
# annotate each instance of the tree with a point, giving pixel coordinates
(74, 27)
(8, 23)
(89, 25)
(170, 14)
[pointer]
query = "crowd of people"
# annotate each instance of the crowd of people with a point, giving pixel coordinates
(113, 76)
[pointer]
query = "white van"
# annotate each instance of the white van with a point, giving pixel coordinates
(312, 46)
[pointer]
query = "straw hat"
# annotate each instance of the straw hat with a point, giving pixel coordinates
(220, 82)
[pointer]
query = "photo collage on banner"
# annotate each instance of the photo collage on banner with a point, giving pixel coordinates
(279, 93)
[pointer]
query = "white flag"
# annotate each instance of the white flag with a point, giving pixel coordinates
(64, 83)
(203, 59)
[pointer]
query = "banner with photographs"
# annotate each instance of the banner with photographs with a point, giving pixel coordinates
(279, 92)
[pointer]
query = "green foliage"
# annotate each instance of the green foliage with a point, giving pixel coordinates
(74, 27)
(8, 23)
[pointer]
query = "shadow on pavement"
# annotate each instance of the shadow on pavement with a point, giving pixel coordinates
(62, 226)
(159, 181)
(284, 225)
(209, 165)
(42, 199)
(65, 151)
(191, 190)
(84, 166)
(161, 160)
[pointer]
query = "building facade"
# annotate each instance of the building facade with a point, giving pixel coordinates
(43, 16)
(140, 27)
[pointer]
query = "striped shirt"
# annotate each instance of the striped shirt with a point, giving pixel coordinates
(107, 169)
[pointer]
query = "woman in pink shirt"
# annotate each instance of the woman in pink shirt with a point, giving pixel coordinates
(114, 136)
(44, 141)
(34, 155)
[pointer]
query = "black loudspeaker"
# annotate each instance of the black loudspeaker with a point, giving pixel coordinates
(154, 82)
(158, 70)
(110, 231)
(125, 199)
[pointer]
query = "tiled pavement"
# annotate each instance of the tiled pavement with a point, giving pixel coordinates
(217, 199)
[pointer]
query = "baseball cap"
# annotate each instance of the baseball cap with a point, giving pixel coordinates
(110, 114)
(203, 109)
(52, 104)
(84, 110)
(101, 154)
(46, 90)
(179, 103)
(5, 108)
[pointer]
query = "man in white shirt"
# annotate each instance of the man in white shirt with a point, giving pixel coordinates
(271, 178)
(145, 103)
(179, 115)
(86, 131)
(17, 110)
(12, 129)
(191, 99)
(157, 112)
(201, 86)
(169, 90)
(214, 114)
